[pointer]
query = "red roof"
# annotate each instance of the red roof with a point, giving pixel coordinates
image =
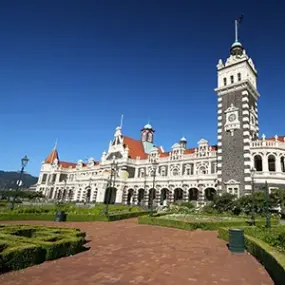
(135, 148)
(52, 156)
(189, 150)
(280, 139)
(65, 164)
(164, 154)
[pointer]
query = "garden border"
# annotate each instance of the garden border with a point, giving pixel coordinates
(190, 226)
(272, 259)
(71, 217)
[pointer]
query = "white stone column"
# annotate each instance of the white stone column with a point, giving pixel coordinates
(264, 163)
(278, 164)
(101, 192)
(136, 172)
(119, 195)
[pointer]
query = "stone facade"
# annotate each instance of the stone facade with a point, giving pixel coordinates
(239, 160)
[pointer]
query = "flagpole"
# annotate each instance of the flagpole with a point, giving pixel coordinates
(236, 30)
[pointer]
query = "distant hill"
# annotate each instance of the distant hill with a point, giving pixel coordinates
(8, 180)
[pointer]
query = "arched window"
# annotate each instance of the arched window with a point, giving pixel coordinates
(282, 161)
(202, 170)
(271, 163)
(258, 163)
(144, 136)
(225, 81)
(232, 79)
(239, 76)
(175, 172)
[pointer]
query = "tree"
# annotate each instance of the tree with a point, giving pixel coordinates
(277, 197)
(224, 203)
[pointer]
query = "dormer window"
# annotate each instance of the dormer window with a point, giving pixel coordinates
(232, 79)
(239, 76)
(225, 81)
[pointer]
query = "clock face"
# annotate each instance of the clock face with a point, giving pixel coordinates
(232, 117)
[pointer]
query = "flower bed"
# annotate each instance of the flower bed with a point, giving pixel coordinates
(22, 246)
(200, 218)
(193, 222)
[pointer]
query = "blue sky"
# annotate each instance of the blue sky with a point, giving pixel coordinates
(69, 69)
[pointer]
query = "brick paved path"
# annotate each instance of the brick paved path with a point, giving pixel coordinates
(127, 253)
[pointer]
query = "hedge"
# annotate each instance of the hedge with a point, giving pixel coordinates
(22, 246)
(71, 217)
(212, 226)
(272, 259)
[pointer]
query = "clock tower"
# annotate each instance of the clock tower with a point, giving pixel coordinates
(237, 119)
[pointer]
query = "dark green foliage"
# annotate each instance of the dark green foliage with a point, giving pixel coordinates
(223, 203)
(21, 256)
(8, 180)
(228, 203)
(188, 205)
(22, 245)
(273, 260)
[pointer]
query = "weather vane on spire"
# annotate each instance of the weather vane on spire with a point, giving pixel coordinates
(237, 22)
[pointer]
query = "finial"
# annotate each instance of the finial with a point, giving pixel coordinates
(263, 137)
(276, 138)
(121, 124)
(148, 120)
(55, 145)
(237, 22)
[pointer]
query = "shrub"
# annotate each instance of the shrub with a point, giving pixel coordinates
(273, 261)
(22, 245)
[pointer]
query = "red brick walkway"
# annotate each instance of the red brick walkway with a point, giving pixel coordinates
(127, 253)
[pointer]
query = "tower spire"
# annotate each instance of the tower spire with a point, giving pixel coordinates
(121, 124)
(55, 145)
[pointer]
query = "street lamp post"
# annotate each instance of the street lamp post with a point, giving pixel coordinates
(268, 222)
(111, 184)
(154, 167)
(252, 197)
(24, 162)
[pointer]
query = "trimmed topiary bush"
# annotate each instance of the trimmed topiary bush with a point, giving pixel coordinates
(22, 246)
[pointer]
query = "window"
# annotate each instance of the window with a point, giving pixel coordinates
(202, 170)
(163, 171)
(239, 76)
(232, 79)
(44, 179)
(225, 81)
(175, 172)
(258, 163)
(282, 164)
(271, 163)
(62, 177)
